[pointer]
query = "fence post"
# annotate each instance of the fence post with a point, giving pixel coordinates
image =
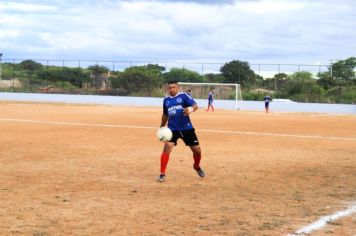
(275, 79)
(47, 75)
(0, 64)
(240, 73)
(259, 69)
(13, 79)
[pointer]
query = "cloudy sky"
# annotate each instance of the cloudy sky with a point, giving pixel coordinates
(258, 31)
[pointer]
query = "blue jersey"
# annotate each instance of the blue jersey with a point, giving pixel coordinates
(210, 96)
(267, 99)
(173, 107)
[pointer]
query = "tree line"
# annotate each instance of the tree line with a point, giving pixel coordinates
(337, 85)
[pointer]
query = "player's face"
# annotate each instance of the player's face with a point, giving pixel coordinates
(173, 89)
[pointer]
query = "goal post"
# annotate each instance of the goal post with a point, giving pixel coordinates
(222, 91)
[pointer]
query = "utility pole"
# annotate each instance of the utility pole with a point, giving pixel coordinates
(331, 68)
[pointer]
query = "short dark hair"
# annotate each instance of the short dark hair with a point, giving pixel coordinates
(173, 82)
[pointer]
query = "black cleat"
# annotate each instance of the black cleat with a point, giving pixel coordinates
(161, 178)
(199, 171)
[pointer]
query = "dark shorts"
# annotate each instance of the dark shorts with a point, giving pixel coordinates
(266, 104)
(189, 137)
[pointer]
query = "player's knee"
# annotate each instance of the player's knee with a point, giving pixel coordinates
(168, 147)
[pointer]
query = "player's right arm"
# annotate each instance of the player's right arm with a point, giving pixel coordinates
(164, 120)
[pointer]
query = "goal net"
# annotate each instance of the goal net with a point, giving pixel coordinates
(225, 95)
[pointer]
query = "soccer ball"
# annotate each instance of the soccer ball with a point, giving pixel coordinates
(164, 134)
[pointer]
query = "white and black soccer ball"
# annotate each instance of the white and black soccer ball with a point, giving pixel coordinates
(164, 134)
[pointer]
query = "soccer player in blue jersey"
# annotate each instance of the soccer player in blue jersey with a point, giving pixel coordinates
(210, 100)
(267, 99)
(189, 92)
(176, 109)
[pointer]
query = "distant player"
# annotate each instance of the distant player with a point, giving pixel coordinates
(267, 99)
(176, 109)
(210, 100)
(189, 92)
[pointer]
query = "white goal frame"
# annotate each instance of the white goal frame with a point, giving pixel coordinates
(237, 90)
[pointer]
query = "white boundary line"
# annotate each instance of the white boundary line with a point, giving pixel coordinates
(77, 124)
(325, 220)
(200, 130)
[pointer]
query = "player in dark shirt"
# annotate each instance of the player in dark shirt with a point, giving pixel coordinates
(210, 100)
(176, 109)
(267, 99)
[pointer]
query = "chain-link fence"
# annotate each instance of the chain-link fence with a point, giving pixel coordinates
(15, 78)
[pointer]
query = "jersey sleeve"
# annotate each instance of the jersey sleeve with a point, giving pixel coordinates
(165, 110)
(188, 100)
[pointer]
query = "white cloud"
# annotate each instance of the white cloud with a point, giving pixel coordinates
(269, 7)
(25, 7)
(257, 31)
(9, 33)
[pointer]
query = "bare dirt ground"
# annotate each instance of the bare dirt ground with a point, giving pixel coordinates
(80, 170)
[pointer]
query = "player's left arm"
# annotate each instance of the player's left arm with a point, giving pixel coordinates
(191, 106)
(190, 109)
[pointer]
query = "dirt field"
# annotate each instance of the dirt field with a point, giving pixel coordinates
(91, 170)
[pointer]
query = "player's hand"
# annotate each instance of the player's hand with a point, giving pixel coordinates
(188, 110)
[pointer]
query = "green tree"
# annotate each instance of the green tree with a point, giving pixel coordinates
(343, 70)
(98, 74)
(301, 86)
(238, 72)
(257, 82)
(157, 67)
(214, 78)
(98, 69)
(75, 76)
(277, 82)
(182, 75)
(137, 80)
(30, 65)
(326, 81)
(302, 76)
(280, 76)
(115, 78)
(27, 71)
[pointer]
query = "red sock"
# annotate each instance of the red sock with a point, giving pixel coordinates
(197, 158)
(164, 162)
